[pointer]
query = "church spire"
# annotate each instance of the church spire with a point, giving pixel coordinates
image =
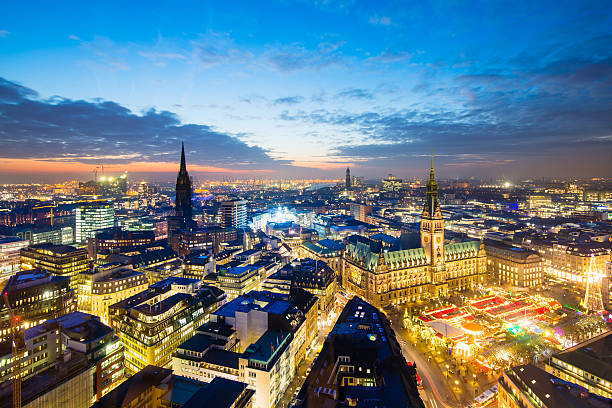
(183, 190)
(431, 172)
(432, 203)
(183, 168)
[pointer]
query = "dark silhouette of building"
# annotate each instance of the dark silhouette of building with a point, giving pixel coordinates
(183, 216)
(183, 191)
(348, 179)
(360, 365)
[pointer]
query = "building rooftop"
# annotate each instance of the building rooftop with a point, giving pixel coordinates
(36, 386)
(216, 329)
(30, 278)
(265, 301)
(222, 358)
(56, 249)
(197, 343)
(8, 240)
(593, 356)
(551, 391)
(118, 274)
(81, 327)
(134, 387)
(237, 270)
(266, 347)
(221, 393)
(163, 305)
(364, 336)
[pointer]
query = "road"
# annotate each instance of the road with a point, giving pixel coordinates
(441, 389)
(301, 373)
(436, 392)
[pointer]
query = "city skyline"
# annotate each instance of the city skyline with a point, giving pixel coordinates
(306, 89)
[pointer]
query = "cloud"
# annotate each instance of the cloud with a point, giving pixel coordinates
(296, 57)
(289, 100)
(215, 48)
(106, 55)
(355, 93)
(4, 33)
(161, 57)
(391, 56)
(66, 130)
(11, 92)
(547, 113)
(380, 20)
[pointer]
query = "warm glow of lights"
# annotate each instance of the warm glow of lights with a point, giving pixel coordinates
(55, 166)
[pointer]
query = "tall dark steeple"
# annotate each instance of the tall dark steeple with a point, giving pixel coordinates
(347, 185)
(183, 191)
(432, 204)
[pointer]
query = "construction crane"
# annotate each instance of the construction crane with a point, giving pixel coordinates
(46, 206)
(18, 342)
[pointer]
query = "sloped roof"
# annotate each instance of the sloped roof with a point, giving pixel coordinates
(405, 258)
(361, 251)
(461, 250)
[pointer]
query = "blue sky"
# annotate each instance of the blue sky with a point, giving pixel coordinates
(280, 88)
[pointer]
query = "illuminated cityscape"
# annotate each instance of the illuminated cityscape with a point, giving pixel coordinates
(298, 204)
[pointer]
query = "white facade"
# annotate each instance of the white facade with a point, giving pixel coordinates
(92, 218)
(9, 255)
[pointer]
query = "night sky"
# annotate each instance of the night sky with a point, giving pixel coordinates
(286, 89)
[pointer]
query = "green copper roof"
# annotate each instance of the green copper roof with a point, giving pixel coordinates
(405, 258)
(362, 252)
(408, 258)
(461, 250)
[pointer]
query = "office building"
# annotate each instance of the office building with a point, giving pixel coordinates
(158, 387)
(71, 362)
(117, 238)
(573, 262)
(140, 257)
(209, 237)
(10, 248)
(606, 287)
(199, 265)
(587, 364)
(360, 212)
(534, 202)
(106, 285)
(360, 365)
(154, 322)
(239, 280)
(528, 386)
(93, 217)
(157, 273)
(514, 266)
(60, 260)
(434, 269)
(347, 179)
(392, 184)
(233, 213)
(258, 339)
(326, 250)
(311, 275)
(35, 296)
(40, 234)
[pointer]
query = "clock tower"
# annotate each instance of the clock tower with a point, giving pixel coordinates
(432, 223)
